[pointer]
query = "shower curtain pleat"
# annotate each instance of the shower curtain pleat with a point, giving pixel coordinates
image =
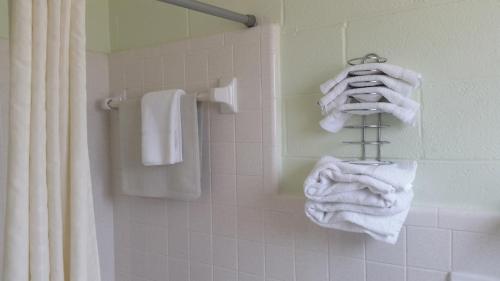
(50, 224)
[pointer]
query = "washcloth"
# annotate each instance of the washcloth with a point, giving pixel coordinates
(401, 204)
(335, 121)
(181, 181)
(364, 95)
(409, 76)
(396, 85)
(381, 179)
(459, 276)
(161, 128)
(382, 228)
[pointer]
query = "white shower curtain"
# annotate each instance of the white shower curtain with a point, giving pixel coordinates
(50, 228)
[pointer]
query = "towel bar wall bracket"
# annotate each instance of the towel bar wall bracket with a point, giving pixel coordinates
(226, 95)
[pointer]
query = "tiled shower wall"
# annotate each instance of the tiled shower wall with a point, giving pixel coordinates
(240, 229)
(97, 88)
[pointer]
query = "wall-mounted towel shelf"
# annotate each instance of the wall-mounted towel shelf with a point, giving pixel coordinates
(226, 95)
(363, 142)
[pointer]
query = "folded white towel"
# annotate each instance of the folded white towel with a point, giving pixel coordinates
(382, 228)
(349, 192)
(381, 179)
(409, 76)
(458, 276)
(396, 85)
(161, 128)
(365, 206)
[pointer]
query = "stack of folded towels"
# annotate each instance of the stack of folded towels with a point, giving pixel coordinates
(364, 87)
(360, 198)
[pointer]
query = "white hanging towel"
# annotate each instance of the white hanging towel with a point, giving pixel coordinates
(180, 181)
(161, 128)
(409, 76)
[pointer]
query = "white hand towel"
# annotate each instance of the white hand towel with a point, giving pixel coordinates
(363, 96)
(382, 228)
(409, 76)
(381, 179)
(161, 128)
(402, 203)
(396, 85)
(459, 276)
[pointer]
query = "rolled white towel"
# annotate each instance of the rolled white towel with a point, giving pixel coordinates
(409, 76)
(381, 179)
(382, 228)
(396, 85)
(349, 192)
(364, 206)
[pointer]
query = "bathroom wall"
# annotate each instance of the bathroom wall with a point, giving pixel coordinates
(98, 126)
(453, 43)
(97, 22)
(240, 229)
(145, 23)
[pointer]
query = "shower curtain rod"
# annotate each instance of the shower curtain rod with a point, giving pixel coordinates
(248, 20)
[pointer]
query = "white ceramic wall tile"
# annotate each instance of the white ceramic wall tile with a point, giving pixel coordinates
(422, 216)
(200, 247)
(178, 269)
(239, 229)
(429, 248)
(475, 221)
(221, 274)
(224, 220)
(384, 272)
(200, 272)
(251, 257)
(311, 266)
(346, 244)
(249, 159)
(342, 269)
(417, 274)
(476, 253)
(279, 263)
(387, 253)
(225, 252)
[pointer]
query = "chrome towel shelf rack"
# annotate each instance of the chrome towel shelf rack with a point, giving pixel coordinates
(378, 126)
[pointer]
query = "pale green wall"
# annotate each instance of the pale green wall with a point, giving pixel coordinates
(454, 44)
(97, 24)
(140, 23)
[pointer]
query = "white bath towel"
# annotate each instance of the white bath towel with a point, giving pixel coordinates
(459, 276)
(349, 192)
(381, 179)
(181, 181)
(365, 204)
(409, 76)
(396, 85)
(382, 228)
(161, 128)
